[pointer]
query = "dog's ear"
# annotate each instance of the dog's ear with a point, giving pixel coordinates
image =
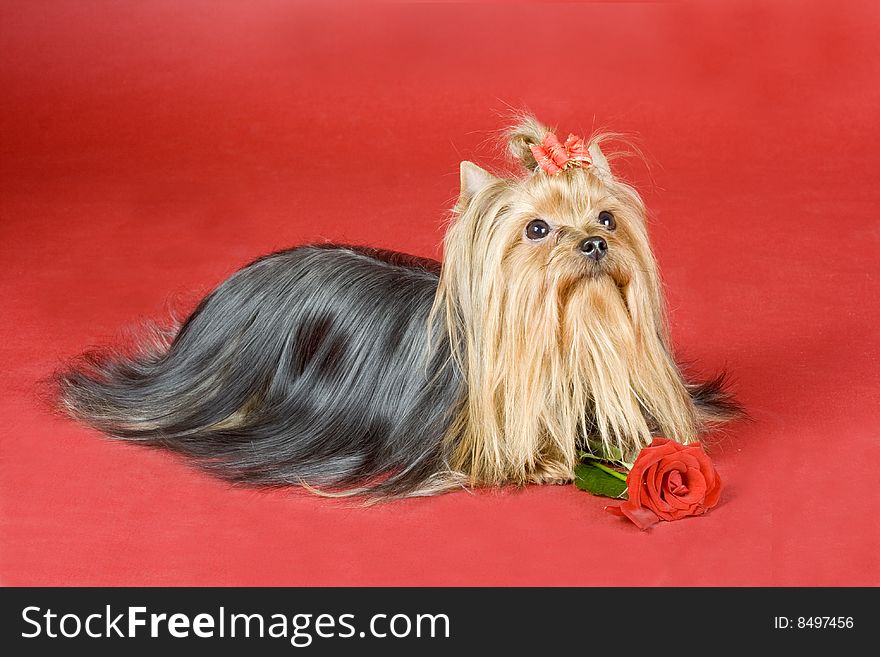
(600, 164)
(473, 179)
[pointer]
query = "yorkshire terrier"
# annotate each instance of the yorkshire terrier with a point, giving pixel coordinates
(355, 370)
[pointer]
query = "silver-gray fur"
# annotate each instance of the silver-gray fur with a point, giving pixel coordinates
(310, 365)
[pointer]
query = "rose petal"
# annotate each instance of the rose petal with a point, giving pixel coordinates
(713, 480)
(714, 494)
(675, 485)
(643, 518)
(664, 468)
(696, 484)
(658, 449)
(655, 496)
(671, 507)
(706, 466)
(692, 510)
(689, 460)
(634, 486)
(648, 457)
(635, 481)
(686, 502)
(676, 503)
(645, 470)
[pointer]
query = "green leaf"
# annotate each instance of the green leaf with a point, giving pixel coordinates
(604, 452)
(612, 455)
(597, 481)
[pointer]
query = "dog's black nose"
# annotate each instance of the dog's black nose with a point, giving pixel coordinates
(595, 248)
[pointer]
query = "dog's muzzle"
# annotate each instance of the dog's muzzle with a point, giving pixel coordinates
(594, 247)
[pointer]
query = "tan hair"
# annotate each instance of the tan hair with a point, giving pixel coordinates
(557, 357)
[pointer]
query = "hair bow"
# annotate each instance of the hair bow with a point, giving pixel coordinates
(553, 156)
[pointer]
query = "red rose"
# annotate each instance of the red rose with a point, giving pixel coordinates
(669, 481)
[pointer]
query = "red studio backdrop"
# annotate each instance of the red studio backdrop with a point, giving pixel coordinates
(149, 149)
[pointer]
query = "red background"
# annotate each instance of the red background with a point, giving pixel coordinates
(150, 149)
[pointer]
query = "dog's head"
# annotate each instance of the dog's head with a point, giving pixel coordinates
(537, 238)
(553, 303)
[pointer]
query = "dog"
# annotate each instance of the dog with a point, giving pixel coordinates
(360, 371)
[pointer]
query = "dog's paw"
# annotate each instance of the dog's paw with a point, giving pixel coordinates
(552, 475)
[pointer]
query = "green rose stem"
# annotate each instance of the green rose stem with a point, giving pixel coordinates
(611, 471)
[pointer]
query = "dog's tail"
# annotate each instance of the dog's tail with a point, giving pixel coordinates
(714, 402)
(309, 366)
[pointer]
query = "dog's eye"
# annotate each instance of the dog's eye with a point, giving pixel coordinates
(607, 220)
(537, 229)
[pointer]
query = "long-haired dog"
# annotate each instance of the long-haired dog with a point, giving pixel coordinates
(355, 370)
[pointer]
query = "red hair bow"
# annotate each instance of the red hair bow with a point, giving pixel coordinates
(553, 156)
